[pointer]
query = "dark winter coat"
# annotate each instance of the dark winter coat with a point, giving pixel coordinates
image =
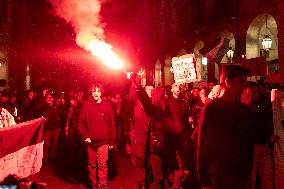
(224, 141)
(52, 115)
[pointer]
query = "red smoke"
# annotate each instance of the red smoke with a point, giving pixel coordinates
(84, 16)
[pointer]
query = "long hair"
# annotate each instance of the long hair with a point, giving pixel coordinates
(96, 85)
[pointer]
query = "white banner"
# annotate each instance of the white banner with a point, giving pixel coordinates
(277, 98)
(25, 162)
(184, 68)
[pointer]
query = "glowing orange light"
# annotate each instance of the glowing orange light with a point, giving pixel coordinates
(104, 52)
(128, 74)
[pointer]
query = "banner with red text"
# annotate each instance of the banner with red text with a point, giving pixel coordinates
(185, 69)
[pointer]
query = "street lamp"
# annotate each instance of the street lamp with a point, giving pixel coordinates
(204, 60)
(266, 42)
(230, 54)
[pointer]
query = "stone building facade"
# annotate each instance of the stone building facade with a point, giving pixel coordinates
(155, 31)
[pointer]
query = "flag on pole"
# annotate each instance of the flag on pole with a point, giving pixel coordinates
(21, 148)
(211, 55)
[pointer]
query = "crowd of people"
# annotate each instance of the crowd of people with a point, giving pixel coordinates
(179, 136)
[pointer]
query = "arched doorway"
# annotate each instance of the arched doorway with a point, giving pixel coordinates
(3, 70)
(262, 25)
(226, 58)
(169, 78)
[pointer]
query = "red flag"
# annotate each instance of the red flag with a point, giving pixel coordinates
(21, 148)
(211, 55)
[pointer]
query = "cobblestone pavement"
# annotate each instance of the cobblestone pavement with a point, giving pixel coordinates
(124, 178)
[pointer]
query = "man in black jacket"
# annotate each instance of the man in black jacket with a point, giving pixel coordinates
(145, 136)
(225, 141)
(51, 130)
(96, 125)
(177, 142)
(175, 145)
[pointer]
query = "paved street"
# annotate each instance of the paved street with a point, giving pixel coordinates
(124, 178)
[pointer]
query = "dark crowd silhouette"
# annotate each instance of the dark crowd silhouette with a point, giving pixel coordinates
(214, 135)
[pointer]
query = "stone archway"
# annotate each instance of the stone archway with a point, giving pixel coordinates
(158, 73)
(225, 58)
(169, 78)
(255, 34)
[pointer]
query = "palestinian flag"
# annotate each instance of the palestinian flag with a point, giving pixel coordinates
(21, 148)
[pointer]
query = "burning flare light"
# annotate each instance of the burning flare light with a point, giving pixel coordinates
(84, 16)
(105, 53)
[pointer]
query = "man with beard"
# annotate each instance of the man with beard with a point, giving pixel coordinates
(225, 141)
(145, 136)
(51, 130)
(175, 142)
(96, 125)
